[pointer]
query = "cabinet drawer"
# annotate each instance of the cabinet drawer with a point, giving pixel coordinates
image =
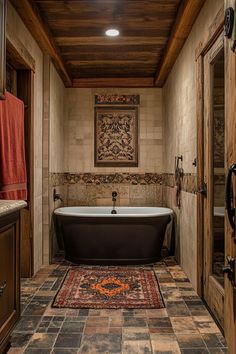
(7, 273)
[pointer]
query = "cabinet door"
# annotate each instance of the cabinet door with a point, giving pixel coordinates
(9, 276)
(7, 273)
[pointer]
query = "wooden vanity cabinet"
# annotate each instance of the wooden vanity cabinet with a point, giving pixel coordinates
(9, 275)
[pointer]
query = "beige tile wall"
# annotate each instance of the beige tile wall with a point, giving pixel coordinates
(185, 230)
(57, 121)
(128, 195)
(56, 149)
(79, 148)
(79, 127)
(53, 148)
(18, 29)
(46, 120)
(179, 106)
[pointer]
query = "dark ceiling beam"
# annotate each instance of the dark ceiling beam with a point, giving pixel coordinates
(186, 16)
(114, 82)
(39, 30)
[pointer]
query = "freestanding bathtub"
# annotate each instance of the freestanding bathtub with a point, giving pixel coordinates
(92, 235)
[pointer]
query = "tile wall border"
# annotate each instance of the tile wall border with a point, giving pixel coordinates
(188, 181)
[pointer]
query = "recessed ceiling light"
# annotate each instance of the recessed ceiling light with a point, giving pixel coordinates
(112, 32)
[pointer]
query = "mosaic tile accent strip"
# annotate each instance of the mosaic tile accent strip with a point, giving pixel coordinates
(125, 178)
(188, 182)
(56, 179)
(169, 179)
(117, 99)
(116, 136)
(219, 138)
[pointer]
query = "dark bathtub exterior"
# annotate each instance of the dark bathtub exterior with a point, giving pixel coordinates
(112, 240)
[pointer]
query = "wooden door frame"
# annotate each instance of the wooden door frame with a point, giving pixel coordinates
(230, 157)
(214, 31)
(213, 292)
(22, 61)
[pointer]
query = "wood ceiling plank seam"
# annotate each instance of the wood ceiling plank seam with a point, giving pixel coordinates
(113, 82)
(104, 41)
(110, 62)
(86, 8)
(89, 23)
(128, 56)
(106, 50)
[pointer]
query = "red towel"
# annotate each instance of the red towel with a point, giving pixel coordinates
(12, 149)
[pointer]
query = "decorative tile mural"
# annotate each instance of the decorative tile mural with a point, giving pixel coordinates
(219, 139)
(116, 136)
(188, 182)
(116, 99)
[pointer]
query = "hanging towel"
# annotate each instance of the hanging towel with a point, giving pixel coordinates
(12, 149)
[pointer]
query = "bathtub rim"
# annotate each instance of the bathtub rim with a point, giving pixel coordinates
(163, 211)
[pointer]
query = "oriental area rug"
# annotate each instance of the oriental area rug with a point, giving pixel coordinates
(109, 288)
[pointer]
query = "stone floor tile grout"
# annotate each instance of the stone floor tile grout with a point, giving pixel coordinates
(169, 329)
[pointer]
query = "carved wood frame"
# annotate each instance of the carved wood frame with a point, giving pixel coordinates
(115, 163)
(214, 31)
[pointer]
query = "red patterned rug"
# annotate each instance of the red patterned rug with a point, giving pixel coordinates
(109, 288)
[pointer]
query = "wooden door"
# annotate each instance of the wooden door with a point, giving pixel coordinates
(230, 218)
(20, 84)
(214, 177)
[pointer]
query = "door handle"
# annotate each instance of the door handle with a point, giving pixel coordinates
(229, 269)
(229, 197)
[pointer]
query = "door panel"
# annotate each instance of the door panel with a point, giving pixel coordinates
(7, 266)
(230, 131)
(214, 177)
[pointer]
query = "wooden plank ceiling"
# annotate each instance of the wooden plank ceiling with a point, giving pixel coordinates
(152, 32)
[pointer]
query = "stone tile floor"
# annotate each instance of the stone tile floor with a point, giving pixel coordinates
(184, 326)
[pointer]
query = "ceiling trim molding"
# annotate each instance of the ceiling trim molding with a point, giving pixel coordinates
(39, 30)
(186, 16)
(114, 82)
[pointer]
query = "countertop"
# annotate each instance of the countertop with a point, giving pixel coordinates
(9, 206)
